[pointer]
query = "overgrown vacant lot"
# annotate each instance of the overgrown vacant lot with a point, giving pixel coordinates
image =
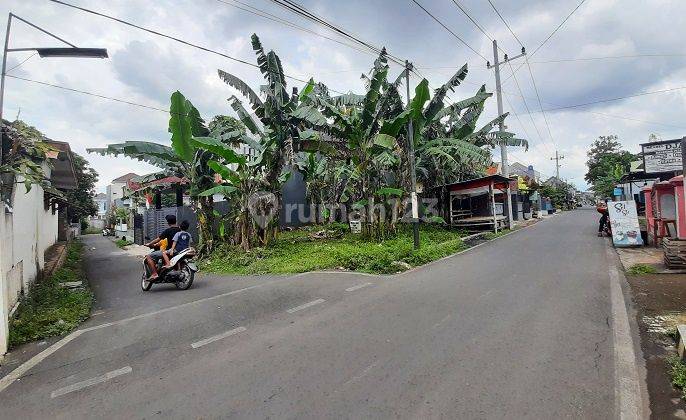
(50, 309)
(301, 250)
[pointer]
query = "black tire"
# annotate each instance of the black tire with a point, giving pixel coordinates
(188, 276)
(145, 284)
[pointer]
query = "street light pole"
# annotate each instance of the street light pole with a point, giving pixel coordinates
(413, 175)
(501, 126)
(72, 51)
(4, 70)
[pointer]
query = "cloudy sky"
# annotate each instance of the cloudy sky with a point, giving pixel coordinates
(145, 69)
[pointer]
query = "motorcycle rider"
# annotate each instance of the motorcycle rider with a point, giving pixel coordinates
(168, 235)
(602, 223)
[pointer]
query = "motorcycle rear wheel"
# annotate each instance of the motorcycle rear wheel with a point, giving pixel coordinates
(187, 278)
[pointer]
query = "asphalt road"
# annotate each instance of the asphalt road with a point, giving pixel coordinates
(518, 328)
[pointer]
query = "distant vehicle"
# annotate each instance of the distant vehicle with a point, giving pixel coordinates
(181, 273)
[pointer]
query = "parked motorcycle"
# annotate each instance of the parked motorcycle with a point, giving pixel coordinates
(181, 273)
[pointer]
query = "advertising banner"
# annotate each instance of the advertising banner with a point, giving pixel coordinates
(624, 223)
(662, 156)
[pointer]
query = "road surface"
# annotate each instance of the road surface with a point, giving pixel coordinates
(520, 327)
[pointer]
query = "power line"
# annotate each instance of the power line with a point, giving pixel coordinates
(526, 106)
(558, 27)
(615, 57)
(599, 101)
(538, 96)
(154, 32)
(550, 36)
(262, 13)
(97, 95)
(505, 22)
(579, 59)
(459, 6)
(449, 30)
(296, 8)
(558, 106)
(22, 62)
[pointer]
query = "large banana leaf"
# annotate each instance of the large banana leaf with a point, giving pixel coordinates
(219, 189)
(436, 103)
(218, 148)
(225, 172)
(456, 107)
(243, 115)
(243, 88)
(379, 73)
(180, 127)
(153, 153)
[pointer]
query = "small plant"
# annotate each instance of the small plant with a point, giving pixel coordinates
(677, 373)
(122, 243)
(640, 269)
(492, 235)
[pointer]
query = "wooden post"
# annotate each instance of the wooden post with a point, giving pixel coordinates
(450, 211)
(492, 194)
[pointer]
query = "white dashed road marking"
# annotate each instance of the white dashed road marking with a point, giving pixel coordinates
(305, 306)
(90, 382)
(217, 337)
(359, 286)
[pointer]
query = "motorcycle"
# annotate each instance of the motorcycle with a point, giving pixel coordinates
(181, 272)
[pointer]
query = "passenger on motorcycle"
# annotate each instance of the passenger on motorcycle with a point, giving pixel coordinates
(181, 241)
(168, 235)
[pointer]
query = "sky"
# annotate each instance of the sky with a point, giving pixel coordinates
(145, 69)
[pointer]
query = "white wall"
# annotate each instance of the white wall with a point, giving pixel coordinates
(26, 233)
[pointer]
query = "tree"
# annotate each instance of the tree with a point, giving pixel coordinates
(81, 204)
(605, 156)
(185, 159)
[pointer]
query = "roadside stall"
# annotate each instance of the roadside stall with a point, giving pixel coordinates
(476, 204)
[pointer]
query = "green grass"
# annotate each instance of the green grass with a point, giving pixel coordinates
(48, 309)
(677, 373)
(296, 252)
(91, 231)
(638, 269)
(122, 243)
(493, 235)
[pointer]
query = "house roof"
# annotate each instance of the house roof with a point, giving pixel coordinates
(63, 174)
(125, 178)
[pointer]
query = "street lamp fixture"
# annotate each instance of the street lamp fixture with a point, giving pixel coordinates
(71, 51)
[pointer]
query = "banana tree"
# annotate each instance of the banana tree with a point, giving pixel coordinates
(279, 126)
(185, 158)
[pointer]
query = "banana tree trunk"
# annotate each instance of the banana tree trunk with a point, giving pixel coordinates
(205, 225)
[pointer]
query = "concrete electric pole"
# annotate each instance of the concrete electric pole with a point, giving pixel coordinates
(501, 128)
(413, 175)
(557, 160)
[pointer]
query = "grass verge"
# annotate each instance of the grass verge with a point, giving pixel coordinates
(677, 373)
(638, 269)
(50, 309)
(297, 252)
(122, 243)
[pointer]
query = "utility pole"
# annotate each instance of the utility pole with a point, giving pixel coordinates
(501, 127)
(558, 157)
(413, 175)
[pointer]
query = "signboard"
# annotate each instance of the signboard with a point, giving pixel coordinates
(355, 226)
(662, 156)
(618, 191)
(624, 223)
